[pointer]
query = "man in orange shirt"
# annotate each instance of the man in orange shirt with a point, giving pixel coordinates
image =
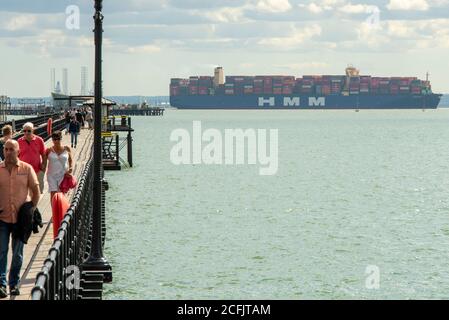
(32, 151)
(17, 179)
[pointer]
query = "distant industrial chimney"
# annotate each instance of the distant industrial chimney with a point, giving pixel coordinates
(52, 79)
(218, 76)
(83, 91)
(65, 81)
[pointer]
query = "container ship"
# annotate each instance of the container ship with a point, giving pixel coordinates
(349, 91)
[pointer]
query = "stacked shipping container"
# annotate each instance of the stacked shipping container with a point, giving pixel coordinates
(307, 85)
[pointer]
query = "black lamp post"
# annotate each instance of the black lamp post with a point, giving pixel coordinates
(96, 262)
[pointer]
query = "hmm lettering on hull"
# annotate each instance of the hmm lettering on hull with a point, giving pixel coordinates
(292, 102)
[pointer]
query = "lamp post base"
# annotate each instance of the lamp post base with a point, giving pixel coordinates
(98, 266)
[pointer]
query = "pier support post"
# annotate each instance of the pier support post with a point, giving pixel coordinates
(96, 263)
(117, 150)
(130, 144)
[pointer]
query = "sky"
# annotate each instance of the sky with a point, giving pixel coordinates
(147, 42)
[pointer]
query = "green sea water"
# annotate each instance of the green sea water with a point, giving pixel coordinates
(354, 190)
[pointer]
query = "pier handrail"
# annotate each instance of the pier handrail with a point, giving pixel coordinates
(40, 126)
(59, 275)
(37, 121)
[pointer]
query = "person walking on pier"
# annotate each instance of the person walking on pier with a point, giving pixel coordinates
(80, 118)
(32, 151)
(7, 134)
(60, 163)
(22, 177)
(89, 118)
(67, 118)
(74, 129)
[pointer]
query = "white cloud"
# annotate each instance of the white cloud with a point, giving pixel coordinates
(273, 6)
(86, 41)
(20, 22)
(144, 49)
(44, 44)
(372, 36)
(297, 37)
(419, 5)
(313, 7)
(225, 15)
(358, 8)
(400, 29)
(319, 6)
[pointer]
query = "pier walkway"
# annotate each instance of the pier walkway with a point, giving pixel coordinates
(36, 251)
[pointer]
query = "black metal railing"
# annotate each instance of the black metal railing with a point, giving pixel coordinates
(40, 126)
(37, 121)
(155, 111)
(61, 277)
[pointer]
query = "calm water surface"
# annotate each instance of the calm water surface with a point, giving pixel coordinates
(353, 190)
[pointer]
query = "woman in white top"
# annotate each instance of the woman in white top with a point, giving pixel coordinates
(89, 118)
(60, 163)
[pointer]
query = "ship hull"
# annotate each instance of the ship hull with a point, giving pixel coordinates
(267, 101)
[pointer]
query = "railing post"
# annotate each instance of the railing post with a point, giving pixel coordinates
(96, 263)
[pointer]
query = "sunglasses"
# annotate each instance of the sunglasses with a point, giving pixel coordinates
(27, 131)
(56, 138)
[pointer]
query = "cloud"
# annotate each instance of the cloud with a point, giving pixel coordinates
(224, 15)
(420, 5)
(296, 37)
(400, 29)
(314, 8)
(43, 44)
(319, 6)
(358, 8)
(273, 6)
(20, 22)
(144, 49)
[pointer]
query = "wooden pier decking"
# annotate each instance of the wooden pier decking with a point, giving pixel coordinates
(38, 245)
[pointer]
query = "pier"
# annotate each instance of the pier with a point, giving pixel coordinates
(156, 111)
(113, 142)
(72, 266)
(41, 249)
(45, 259)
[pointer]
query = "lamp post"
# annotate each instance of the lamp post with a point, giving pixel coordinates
(96, 262)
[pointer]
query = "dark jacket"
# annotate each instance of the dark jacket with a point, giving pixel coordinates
(2, 156)
(37, 221)
(27, 222)
(74, 127)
